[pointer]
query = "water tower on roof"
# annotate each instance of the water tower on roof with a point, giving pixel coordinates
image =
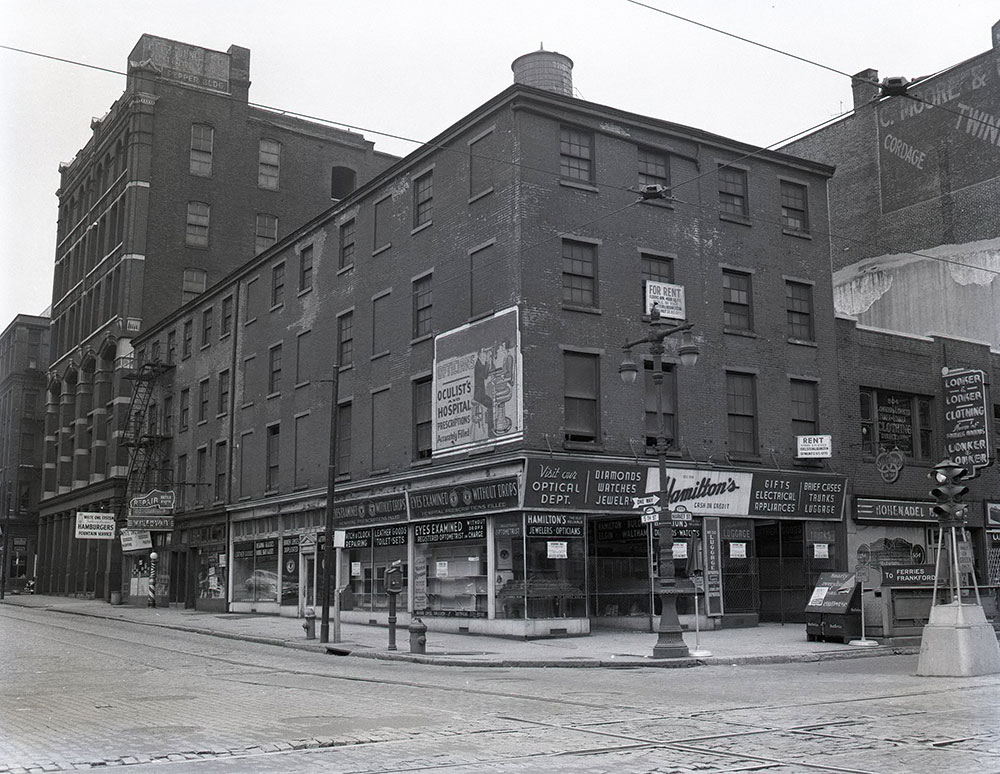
(545, 70)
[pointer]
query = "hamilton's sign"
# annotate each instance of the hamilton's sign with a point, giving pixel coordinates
(966, 418)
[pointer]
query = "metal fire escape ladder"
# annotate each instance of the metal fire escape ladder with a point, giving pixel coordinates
(141, 436)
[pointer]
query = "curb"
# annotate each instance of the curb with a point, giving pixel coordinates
(345, 649)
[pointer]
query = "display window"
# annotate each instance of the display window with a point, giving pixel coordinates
(212, 571)
(555, 557)
(620, 568)
(255, 571)
(449, 572)
(368, 554)
(508, 548)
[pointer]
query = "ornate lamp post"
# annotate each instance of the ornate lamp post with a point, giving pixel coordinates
(669, 642)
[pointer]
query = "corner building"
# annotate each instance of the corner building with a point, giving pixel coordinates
(181, 182)
(471, 302)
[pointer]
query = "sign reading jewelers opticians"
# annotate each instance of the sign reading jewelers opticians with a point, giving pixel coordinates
(966, 418)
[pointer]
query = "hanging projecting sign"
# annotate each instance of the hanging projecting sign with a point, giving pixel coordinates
(136, 540)
(667, 298)
(966, 418)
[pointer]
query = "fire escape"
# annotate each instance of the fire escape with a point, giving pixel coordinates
(143, 434)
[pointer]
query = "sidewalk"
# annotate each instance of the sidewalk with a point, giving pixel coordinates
(768, 643)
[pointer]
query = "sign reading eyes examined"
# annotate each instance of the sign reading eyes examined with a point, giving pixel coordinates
(477, 397)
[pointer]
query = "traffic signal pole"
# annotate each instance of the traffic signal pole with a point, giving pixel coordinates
(958, 640)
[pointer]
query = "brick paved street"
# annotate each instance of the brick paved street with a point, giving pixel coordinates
(81, 693)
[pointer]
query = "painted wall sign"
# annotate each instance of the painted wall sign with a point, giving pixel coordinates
(477, 398)
(192, 65)
(954, 138)
(493, 494)
(871, 509)
(967, 411)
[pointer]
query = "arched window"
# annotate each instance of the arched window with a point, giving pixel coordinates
(343, 180)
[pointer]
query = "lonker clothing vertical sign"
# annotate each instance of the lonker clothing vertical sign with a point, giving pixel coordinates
(966, 418)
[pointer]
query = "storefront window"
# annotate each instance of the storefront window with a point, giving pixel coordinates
(620, 568)
(508, 534)
(388, 546)
(556, 566)
(449, 573)
(211, 571)
(255, 571)
(290, 569)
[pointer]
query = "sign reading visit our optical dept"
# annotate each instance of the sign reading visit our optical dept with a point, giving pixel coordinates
(95, 526)
(966, 418)
(614, 487)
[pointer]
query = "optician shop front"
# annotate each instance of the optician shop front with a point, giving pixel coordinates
(553, 545)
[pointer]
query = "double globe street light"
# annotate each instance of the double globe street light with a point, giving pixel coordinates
(670, 641)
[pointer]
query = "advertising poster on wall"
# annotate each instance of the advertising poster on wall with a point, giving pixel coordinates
(477, 397)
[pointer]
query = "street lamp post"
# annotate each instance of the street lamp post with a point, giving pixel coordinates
(669, 641)
(331, 478)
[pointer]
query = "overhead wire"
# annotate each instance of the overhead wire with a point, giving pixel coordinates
(441, 146)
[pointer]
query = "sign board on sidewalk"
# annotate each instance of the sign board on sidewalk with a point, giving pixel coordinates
(833, 593)
(95, 525)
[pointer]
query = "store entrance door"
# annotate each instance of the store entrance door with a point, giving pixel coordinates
(782, 573)
(308, 580)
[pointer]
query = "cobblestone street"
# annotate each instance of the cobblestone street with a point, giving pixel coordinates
(83, 693)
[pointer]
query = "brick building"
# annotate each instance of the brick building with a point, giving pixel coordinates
(473, 299)
(181, 182)
(895, 421)
(915, 201)
(24, 354)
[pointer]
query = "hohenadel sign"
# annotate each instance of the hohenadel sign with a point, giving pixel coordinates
(870, 509)
(966, 418)
(613, 488)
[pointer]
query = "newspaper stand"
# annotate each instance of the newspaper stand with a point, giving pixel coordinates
(834, 609)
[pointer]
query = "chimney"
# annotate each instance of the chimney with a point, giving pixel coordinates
(545, 70)
(865, 87)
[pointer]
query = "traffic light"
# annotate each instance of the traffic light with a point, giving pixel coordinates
(948, 492)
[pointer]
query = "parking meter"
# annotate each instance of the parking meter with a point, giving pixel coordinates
(394, 579)
(393, 586)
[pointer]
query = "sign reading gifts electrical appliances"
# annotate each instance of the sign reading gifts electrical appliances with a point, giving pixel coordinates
(764, 494)
(967, 410)
(477, 397)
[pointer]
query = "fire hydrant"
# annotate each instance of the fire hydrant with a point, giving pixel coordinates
(418, 636)
(309, 624)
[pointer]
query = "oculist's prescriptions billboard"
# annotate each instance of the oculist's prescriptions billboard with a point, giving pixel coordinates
(477, 396)
(946, 139)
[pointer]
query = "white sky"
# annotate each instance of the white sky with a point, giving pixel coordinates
(413, 67)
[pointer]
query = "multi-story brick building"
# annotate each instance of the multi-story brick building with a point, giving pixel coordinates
(915, 201)
(903, 409)
(24, 356)
(182, 181)
(471, 301)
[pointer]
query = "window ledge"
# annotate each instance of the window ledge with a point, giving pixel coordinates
(247, 405)
(421, 227)
(796, 233)
(203, 347)
(302, 384)
(202, 422)
(381, 249)
(377, 355)
(221, 414)
(803, 343)
(345, 269)
(225, 335)
(740, 332)
(419, 339)
(251, 320)
(584, 309)
(421, 463)
(480, 195)
(303, 291)
(348, 367)
(379, 472)
(663, 204)
(744, 457)
(275, 307)
(583, 445)
(742, 220)
(579, 185)
(271, 395)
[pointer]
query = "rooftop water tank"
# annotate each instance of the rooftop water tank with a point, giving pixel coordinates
(545, 70)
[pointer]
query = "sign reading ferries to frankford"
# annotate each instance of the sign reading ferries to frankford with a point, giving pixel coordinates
(152, 510)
